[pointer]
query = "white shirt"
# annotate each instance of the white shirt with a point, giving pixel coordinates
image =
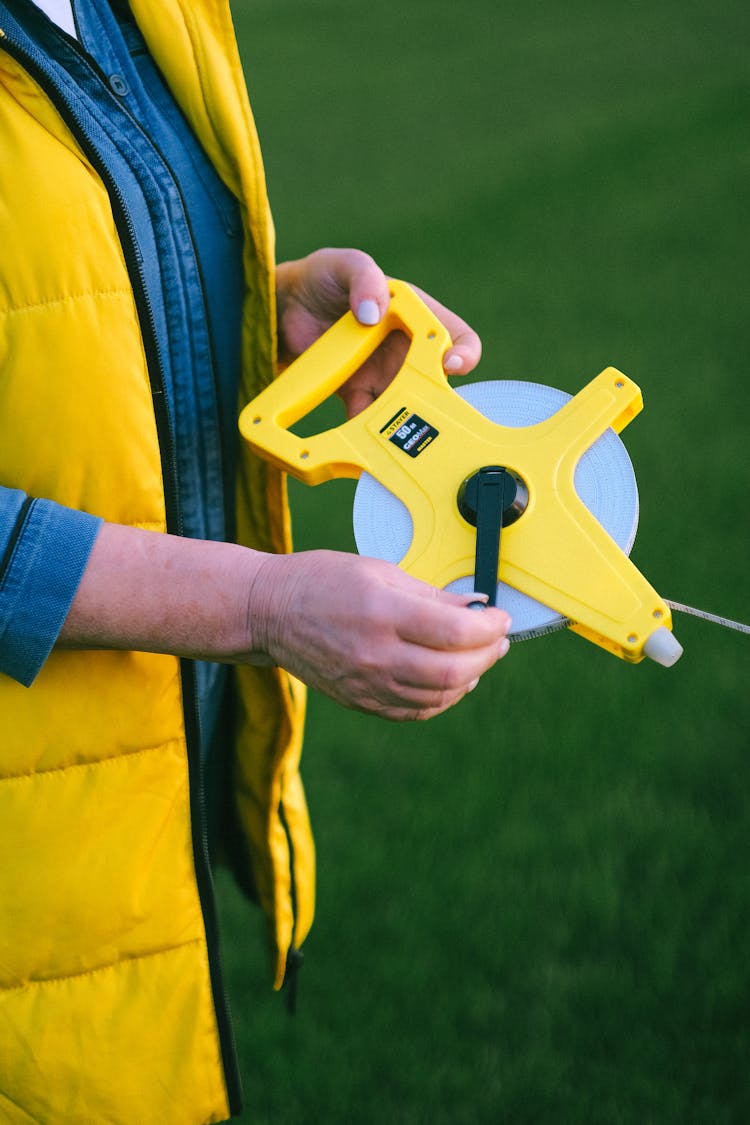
(60, 12)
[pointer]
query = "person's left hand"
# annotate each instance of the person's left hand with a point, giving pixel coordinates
(313, 292)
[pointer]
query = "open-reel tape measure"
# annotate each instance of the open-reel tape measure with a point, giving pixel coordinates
(513, 489)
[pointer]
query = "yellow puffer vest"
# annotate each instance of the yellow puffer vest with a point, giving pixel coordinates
(108, 991)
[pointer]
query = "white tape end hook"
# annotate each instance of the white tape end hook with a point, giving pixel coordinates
(663, 647)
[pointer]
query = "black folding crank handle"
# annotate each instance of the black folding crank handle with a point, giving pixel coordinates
(492, 498)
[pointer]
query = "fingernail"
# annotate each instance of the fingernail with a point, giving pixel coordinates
(368, 312)
(504, 646)
(453, 362)
(473, 684)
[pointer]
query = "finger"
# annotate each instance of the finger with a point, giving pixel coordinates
(424, 675)
(367, 286)
(357, 400)
(419, 714)
(438, 619)
(455, 630)
(466, 349)
(426, 708)
(393, 700)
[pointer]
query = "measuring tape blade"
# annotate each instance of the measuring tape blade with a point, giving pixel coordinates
(715, 619)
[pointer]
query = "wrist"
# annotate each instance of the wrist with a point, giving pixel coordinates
(269, 597)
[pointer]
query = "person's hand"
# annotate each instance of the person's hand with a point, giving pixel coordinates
(315, 291)
(358, 629)
(370, 636)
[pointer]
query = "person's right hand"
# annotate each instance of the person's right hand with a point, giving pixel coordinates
(358, 629)
(370, 636)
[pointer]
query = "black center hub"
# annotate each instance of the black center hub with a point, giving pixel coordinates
(515, 494)
(492, 498)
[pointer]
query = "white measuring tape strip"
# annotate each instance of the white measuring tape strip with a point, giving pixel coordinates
(677, 607)
(727, 622)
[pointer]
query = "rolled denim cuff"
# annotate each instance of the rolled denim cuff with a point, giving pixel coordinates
(44, 549)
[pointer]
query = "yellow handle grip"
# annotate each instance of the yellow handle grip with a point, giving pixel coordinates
(320, 371)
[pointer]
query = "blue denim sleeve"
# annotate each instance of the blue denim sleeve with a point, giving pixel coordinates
(44, 549)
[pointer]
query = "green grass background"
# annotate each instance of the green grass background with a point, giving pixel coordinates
(536, 907)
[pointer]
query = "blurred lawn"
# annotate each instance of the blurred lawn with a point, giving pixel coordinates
(535, 908)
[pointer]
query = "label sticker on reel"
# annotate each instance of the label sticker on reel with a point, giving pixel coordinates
(409, 432)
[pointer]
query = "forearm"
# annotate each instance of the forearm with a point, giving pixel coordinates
(161, 593)
(358, 629)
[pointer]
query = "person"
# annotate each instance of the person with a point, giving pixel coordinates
(156, 630)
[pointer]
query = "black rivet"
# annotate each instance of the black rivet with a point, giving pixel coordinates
(119, 85)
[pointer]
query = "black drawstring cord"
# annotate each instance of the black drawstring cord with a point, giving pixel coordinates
(294, 961)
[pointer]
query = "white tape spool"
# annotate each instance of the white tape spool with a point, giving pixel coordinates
(604, 480)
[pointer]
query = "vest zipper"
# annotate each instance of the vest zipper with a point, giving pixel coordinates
(206, 891)
(34, 65)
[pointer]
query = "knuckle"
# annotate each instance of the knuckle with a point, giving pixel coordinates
(359, 261)
(461, 632)
(452, 675)
(441, 704)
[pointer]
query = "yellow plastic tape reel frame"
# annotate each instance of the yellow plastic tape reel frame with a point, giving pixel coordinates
(557, 552)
